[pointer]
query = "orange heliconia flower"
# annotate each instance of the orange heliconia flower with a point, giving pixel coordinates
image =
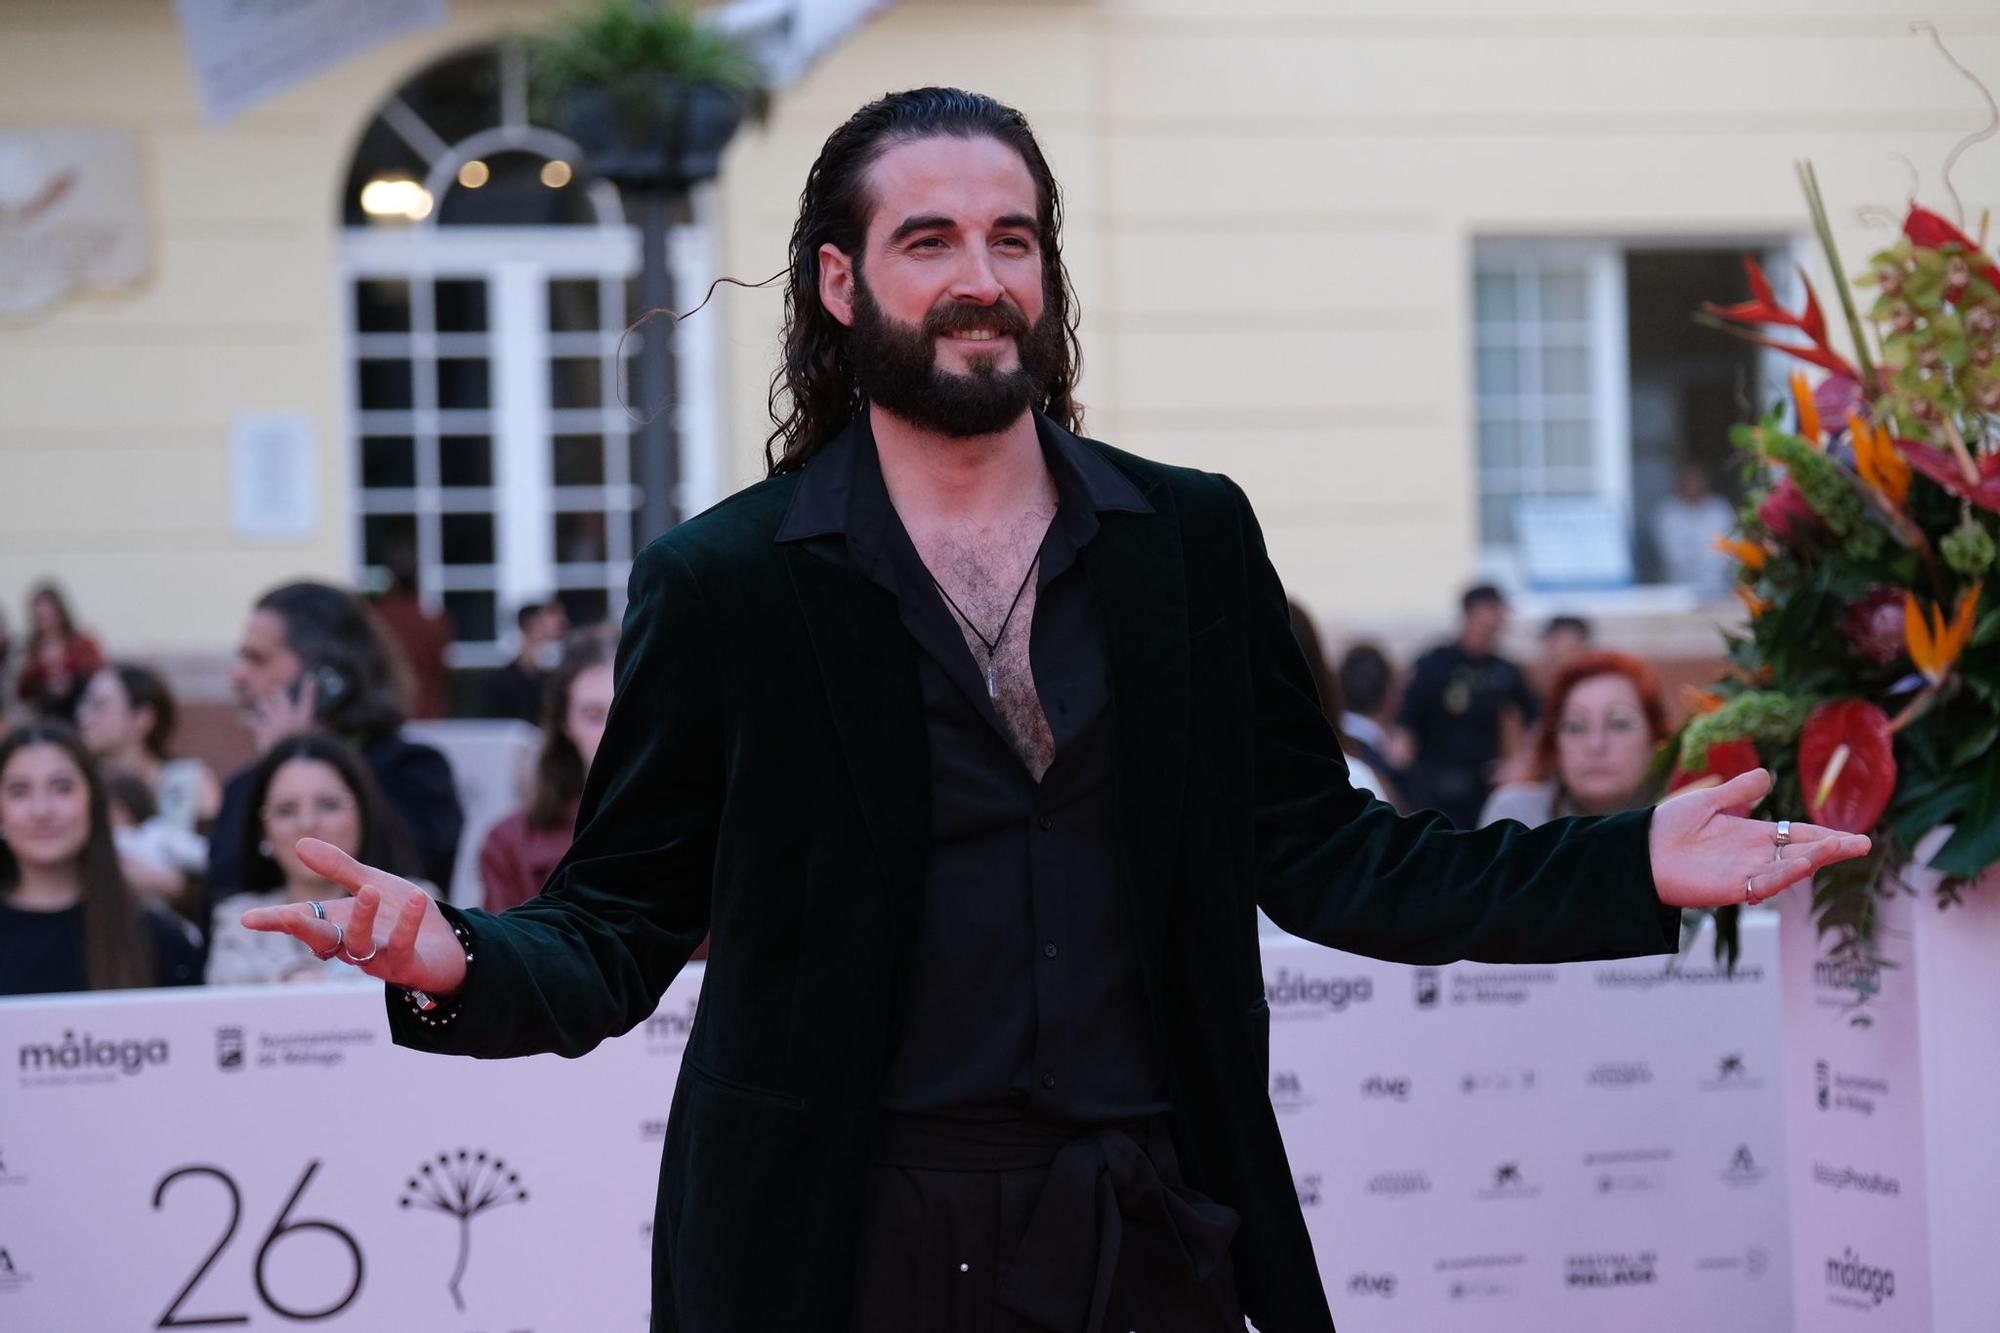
(1879, 461)
(1802, 398)
(1750, 553)
(1752, 603)
(1935, 645)
(1698, 701)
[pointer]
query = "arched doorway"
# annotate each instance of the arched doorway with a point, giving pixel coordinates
(487, 282)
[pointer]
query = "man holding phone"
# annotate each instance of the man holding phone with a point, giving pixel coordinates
(312, 658)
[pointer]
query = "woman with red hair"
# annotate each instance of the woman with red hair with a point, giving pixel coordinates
(1603, 723)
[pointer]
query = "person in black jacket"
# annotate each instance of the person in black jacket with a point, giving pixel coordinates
(312, 658)
(976, 744)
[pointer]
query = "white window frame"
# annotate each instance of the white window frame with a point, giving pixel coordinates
(1603, 265)
(517, 263)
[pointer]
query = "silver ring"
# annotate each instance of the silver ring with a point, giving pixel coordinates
(339, 942)
(318, 910)
(358, 959)
(1749, 894)
(1784, 831)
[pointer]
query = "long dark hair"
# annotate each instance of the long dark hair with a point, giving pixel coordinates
(145, 688)
(813, 390)
(333, 630)
(559, 769)
(116, 952)
(56, 599)
(385, 844)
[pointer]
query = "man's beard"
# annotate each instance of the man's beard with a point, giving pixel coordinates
(896, 366)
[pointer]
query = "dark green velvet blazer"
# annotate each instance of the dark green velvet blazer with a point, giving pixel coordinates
(764, 778)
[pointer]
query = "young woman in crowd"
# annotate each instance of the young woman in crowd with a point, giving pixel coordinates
(126, 720)
(521, 850)
(59, 659)
(306, 786)
(68, 919)
(1603, 722)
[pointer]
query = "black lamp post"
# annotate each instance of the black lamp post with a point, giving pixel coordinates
(654, 138)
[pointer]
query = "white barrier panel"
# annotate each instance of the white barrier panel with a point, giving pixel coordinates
(1590, 1147)
(1584, 1147)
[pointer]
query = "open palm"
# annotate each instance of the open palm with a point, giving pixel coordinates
(1705, 857)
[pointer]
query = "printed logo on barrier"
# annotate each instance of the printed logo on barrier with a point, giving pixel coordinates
(1382, 1285)
(462, 1185)
(1619, 1074)
(88, 1059)
(1732, 1074)
(307, 1048)
(1303, 995)
(1857, 1285)
(1676, 972)
(1478, 1278)
(1840, 1179)
(1854, 1094)
(1627, 1170)
(1846, 983)
(1496, 1082)
(229, 1048)
(1506, 987)
(1743, 1170)
(1611, 1270)
(1288, 1092)
(1385, 1088)
(12, 1276)
(1308, 1189)
(1509, 1183)
(668, 1029)
(1427, 989)
(1752, 1263)
(1397, 1184)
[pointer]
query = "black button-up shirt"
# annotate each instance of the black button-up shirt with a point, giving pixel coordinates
(1025, 995)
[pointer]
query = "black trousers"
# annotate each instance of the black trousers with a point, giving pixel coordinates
(1031, 1227)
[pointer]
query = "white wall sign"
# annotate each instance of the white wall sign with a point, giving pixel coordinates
(1593, 1146)
(244, 51)
(273, 490)
(72, 215)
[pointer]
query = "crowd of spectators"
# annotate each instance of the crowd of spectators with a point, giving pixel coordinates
(126, 863)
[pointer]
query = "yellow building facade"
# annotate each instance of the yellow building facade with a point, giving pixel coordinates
(1393, 266)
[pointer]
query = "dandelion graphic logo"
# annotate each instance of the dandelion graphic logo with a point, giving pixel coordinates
(463, 1185)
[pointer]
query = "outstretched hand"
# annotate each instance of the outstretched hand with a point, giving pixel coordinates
(416, 948)
(1706, 857)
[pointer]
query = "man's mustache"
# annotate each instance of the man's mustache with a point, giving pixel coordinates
(1003, 317)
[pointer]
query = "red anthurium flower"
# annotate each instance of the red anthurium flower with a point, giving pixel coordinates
(1944, 468)
(1787, 514)
(1928, 230)
(1725, 760)
(1847, 765)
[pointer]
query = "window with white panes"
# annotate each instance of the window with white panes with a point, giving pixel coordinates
(489, 288)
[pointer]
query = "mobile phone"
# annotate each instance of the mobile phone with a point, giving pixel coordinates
(330, 687)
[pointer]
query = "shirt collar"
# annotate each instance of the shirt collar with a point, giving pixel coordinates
(838, 489)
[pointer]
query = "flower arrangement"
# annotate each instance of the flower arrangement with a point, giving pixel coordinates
(1868, 680)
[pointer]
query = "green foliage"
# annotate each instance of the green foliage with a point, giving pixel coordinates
(1968, 548)
(619, 43)
(1763, 717)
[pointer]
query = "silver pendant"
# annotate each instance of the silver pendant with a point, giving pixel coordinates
(992, 681)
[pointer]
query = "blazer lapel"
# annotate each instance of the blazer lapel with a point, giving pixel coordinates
(1136, 574)
(868, 667)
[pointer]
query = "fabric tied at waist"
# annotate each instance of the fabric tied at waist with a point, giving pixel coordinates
(1102, 1180)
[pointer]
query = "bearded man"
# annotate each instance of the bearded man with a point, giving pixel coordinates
(975, 745)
